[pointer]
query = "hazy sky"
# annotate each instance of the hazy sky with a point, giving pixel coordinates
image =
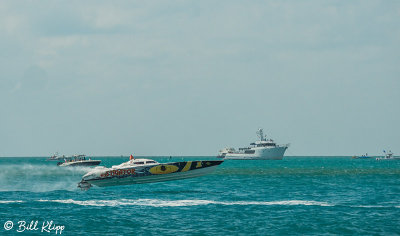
(191, 77)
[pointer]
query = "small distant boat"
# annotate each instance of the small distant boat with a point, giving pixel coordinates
(139, 171)
(264, 149)
(388, 156)
(78, 160)
(365, 156)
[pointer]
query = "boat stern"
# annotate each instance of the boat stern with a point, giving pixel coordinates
(84, 186)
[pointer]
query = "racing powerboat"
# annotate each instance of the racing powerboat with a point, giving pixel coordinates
(139, 171)
(78, 160)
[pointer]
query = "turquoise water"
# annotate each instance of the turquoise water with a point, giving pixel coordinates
(295, 196)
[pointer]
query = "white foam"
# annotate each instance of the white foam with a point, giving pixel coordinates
(287, 203)
(83, 203)
(7, 202)
(181, 203)
(371, 206)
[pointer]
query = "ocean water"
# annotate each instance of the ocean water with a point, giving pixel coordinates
(294, 196)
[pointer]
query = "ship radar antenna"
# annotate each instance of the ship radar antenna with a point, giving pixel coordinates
(261, 135)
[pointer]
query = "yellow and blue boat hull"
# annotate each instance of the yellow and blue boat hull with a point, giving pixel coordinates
(154, 173)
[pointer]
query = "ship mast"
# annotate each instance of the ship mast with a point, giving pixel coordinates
(261, 134)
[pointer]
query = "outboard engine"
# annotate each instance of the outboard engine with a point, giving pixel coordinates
(84, 186)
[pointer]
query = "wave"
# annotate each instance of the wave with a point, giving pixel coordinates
(193, 202)
(372, 206)
(9, 202)
(182, 203)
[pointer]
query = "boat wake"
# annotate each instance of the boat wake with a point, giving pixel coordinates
(191, 202)
(181, 203)
(8, 202)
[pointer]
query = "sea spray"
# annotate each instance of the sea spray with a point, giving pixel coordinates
(39, 178)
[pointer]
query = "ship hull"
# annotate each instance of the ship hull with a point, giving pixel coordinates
(80, 163)
(275, 153)
(387, 159)
(152, 178)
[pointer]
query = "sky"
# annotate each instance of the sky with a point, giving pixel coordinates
(192, 77)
